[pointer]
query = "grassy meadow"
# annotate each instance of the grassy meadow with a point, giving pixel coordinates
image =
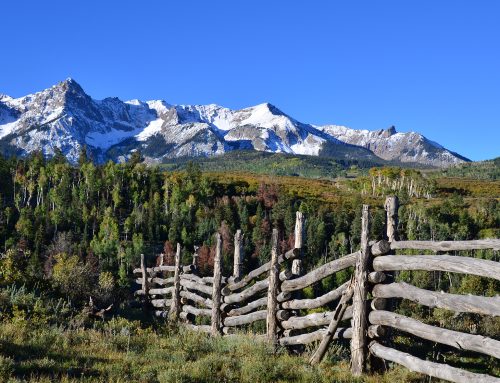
(123, 351)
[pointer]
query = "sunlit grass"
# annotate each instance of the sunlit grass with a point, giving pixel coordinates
(122, 351)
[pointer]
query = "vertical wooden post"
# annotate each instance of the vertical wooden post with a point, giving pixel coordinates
(299, 242)
(299, 229)
(359, 313)
(145, 284)
(162, 259)
(175, 307)
(195, 257)
(216, 289)
(238, 254)
(391, 207)
(272, 292)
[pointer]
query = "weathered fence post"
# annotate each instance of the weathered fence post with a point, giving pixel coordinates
(295, 271)
(162, 259)
(299, 241)
(175, 307)
(145, 287)
(359, 325)
(216, 289)
(195, 257)
(272, 292)
(238, 255)
(391, 207)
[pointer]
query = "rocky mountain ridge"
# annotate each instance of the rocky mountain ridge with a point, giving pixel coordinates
(65, 117)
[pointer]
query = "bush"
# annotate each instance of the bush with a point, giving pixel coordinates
(6, 368)
(73, 278)
(12, 266)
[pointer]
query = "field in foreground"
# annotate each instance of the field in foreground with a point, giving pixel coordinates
(121, 351)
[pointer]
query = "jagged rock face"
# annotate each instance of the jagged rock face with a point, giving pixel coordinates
(393, 146)
(65, 117)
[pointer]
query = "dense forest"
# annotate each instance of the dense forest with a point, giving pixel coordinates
(326, 166)
(101, 218)
(70, 234)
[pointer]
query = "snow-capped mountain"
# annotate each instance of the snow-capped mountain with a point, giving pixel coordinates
(65, 117)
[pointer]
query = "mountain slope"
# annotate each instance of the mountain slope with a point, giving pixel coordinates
(65, 117)
(393, 146)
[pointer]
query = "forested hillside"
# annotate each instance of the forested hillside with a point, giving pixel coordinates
(483, 170)
(71, 233)
(327, 165)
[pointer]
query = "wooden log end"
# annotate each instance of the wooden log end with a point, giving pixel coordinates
(188, 268)
(161, 314)
(377, 277)
(290, 332)
(285, 274)
(377, 331)
(378, 303)
(293, 253)
(284, 296)
(226, 307)
(186, 316)
(283, 315)
(380, 248)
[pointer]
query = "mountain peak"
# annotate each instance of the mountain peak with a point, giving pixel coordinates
(389, 131)
(268, 107)
(69, 85)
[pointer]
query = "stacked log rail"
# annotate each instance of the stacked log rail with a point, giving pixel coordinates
(382, 318)
(246, 301)
(297, 328)
(152, 285)
(255, 296)
(158, 287)
(238, 308)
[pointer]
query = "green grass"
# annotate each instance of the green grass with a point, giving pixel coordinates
(122, 351)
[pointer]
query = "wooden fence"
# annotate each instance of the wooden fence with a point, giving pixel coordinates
(272, 293)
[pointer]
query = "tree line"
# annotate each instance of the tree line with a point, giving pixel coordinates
(62, 225)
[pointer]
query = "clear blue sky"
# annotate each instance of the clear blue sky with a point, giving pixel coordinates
(428, 66)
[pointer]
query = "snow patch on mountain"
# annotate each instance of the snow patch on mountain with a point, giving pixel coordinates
(311, 146)
(154, 127)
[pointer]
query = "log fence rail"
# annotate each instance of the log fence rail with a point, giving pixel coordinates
(220, 305)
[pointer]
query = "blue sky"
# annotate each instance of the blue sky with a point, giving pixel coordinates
(427, 66)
